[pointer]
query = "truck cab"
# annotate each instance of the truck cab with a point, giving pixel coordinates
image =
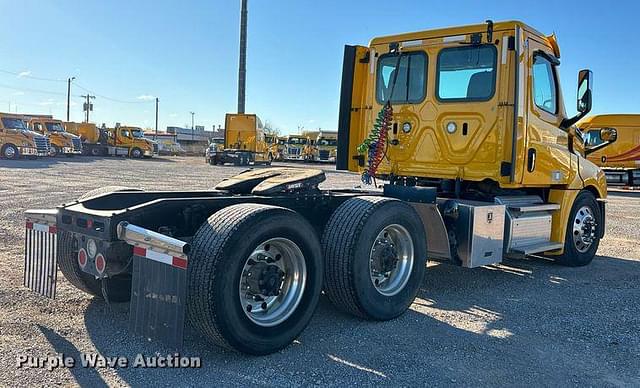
(132, 138)
(477, 113)
(325, 147)
(62, 142)
(296, 146)
(244, 141)
(17, 140)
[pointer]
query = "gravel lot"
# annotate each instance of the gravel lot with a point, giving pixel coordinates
(519, 323)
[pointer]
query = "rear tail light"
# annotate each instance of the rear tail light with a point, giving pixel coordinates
(82, 258)
(100, 263)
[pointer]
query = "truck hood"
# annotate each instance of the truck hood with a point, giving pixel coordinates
(31, 135)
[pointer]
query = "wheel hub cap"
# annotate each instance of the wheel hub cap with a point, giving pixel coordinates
(9, 152)
(584, 229)
(391, 260)
(272, 282)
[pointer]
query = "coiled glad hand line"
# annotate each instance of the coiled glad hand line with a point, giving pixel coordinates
(374, 145)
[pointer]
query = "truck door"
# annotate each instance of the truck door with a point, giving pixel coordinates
(547, 159)
(123, 138)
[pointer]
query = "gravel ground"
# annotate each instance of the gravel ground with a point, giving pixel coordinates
(520, 323)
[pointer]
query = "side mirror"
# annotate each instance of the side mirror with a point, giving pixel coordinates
(609, 134)
(597, 139)
(585, 83)
(584, 100)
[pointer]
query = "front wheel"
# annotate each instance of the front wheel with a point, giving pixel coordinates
(54, 151)
(255, 277)
(583, 231)
(136, 153)
(10, 151)
(375, 257)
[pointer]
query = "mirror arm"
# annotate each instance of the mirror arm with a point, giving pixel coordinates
(567, 123)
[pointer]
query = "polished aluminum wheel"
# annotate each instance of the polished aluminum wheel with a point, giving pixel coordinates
(272, 282)
(391, 260)
(584, 229)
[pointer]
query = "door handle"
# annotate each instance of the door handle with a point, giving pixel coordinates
(531, 159)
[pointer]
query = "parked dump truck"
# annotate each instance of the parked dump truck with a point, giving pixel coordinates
(620, 162)
(244, 142)
(62, 142)
(118, 141)
(480, 162)
(16, 140)
(323, 146)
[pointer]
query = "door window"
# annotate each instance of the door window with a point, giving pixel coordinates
(544, 85)
(466, 73)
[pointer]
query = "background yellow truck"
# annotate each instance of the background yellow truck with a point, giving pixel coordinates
(323, 146)
(296, 148)
(244, 142)
(17, 140)
(620, 161)
(119, 141)
(62, 142)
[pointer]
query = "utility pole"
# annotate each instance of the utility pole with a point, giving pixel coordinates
(192, 122)
(88, 106)
(69, 95)
(242, 65)
(157, 100)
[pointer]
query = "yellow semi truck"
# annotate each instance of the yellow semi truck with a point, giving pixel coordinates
(16, 140)
(118, 141)
(244, 142)
(464, 126)
(323, 146)
(620, 161)
(62, 142)
(296, 147)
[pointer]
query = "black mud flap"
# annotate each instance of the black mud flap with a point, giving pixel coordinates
(40, 257)
(158, 296)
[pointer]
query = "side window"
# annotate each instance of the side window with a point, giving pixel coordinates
(544, 85)
(37, 127)
(410, 81)
(466, 73)
(125, 133)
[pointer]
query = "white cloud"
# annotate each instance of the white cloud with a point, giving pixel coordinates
(146, 97)
(25, 73)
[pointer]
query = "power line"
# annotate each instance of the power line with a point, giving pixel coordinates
(33, 90)
(24, 75)
(110, 98)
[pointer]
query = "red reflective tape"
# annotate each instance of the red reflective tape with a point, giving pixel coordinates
(139, 251)
(29, 225)
(53, 229)
(179, 262)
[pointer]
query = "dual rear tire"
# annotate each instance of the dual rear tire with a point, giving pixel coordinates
(256, 271)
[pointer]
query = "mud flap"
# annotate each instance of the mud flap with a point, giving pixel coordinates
(159, 284)
(40, 257)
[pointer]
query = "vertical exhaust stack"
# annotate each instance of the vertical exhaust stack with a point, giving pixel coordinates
(242, 66)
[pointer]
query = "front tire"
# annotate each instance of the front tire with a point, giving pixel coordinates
(375, 257)
(583, 231)
(239, 297)
(10, 152)
(136, 153)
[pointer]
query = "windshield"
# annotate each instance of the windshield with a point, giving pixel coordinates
(54, 127)
(13, 123)
(297, 140)
(327, 142)
(282, 141)
(137, 133)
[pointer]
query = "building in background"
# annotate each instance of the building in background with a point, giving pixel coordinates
(193, 141)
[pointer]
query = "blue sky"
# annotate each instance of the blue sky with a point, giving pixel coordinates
(186, 53)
